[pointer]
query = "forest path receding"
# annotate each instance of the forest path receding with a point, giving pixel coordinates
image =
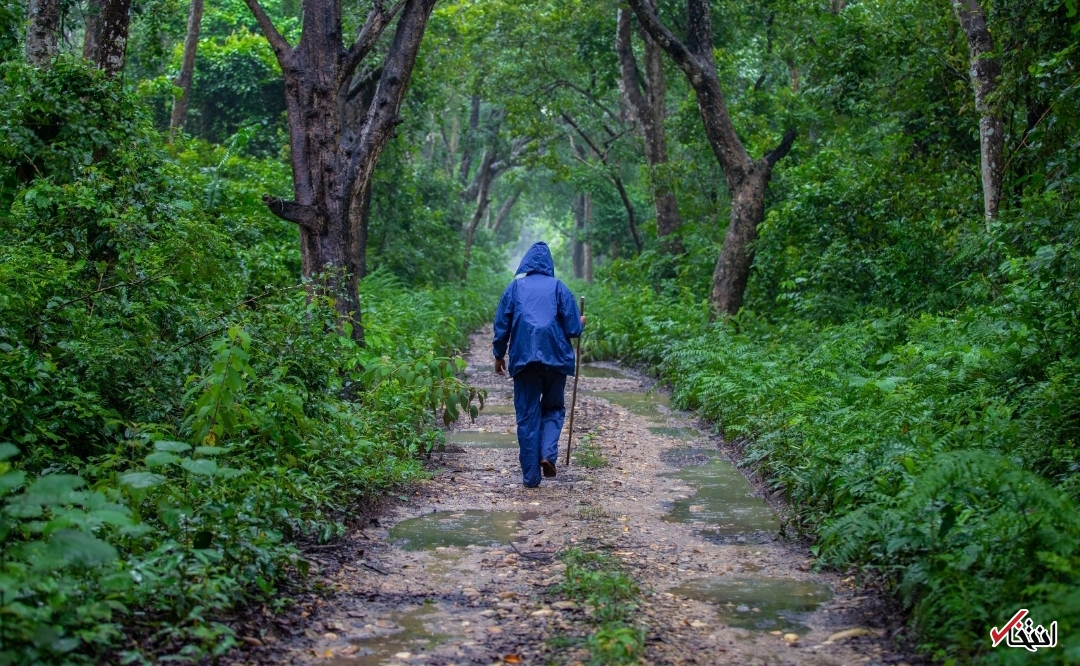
(465, 571)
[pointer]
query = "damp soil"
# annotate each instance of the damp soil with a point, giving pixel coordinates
(463, 568)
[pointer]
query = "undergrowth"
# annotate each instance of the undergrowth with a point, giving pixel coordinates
(176, 409)
(597, 581)
(936, 451)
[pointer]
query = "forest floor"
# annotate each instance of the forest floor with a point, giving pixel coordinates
(465, 569)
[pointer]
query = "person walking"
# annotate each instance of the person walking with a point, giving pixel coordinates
(536, 319)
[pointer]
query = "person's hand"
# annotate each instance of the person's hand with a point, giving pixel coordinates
(582, 320)
(500, 366)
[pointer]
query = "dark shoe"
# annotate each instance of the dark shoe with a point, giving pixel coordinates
(549, 469)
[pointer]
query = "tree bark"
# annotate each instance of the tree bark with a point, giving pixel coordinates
(333, 161)
(112, 36)
(187, 67)
(648, 110)
(985, 71)
(485, 176)
(42, 32)
(746, 178)
(467, 140)
(93, 30)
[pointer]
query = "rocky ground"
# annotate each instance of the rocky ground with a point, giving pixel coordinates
(465, 569)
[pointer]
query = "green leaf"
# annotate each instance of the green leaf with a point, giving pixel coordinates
(210, 450)
(11, 480)
(141, 480)
(173, 447)
(8, 451)
(203, 467)
(79, 548)
(54, 488)
(160, 458)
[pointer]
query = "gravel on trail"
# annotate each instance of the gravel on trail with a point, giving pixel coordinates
(463, 569)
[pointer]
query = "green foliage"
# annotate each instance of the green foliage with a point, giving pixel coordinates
(176, 411)
(596, 580)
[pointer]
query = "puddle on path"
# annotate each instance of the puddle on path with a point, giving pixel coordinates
(724, 500)
(600, 372)
(688, 456)
(497, 410)
(460, 528)
(413, 637)
(484, 440)
(759, 602)
(652, 406)
(679, 433)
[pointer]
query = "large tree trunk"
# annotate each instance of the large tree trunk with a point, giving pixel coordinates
(746, 178)
(93, 30)
(110, 42)
(648, 109)
(42, 32)
(332, 163)
(187, 66)
(985, 72)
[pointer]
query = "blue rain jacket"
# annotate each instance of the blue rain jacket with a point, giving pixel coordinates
(537, 316)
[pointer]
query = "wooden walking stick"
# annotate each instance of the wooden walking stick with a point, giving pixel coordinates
(573, 400)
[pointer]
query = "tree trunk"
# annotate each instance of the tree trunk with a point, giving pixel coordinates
(746, 178)
(467, 140)
(42, 32)
(187, 67)
(333, 163)
(985, 72)
(578, 246)
(112, 36)
(485, 176)
(91, 40)
(648, 109)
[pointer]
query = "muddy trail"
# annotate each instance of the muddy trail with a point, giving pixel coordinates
(468, 569)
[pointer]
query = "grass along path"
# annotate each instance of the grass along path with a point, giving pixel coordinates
(652, 548)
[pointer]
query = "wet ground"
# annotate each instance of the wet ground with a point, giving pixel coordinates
(463, 570)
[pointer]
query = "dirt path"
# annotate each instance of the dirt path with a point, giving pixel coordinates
(465, 570)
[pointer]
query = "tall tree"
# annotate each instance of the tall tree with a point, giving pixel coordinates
(187, 66)
(647, 108)
(746, 177)
(105, 42)
(985, 70)
(42, 30)
(332, 160)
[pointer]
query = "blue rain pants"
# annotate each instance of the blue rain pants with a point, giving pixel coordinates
(541, 407)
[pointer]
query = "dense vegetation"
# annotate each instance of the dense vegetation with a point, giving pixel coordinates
(189, 390)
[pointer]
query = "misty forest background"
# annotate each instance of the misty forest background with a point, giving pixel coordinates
(240, 245)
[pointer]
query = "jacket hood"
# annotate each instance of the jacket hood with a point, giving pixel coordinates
(537, 259)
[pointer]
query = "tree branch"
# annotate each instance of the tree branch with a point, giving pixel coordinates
(377, 20)
(306, 216)
(778, 153)
(682, 56)
(277, 42)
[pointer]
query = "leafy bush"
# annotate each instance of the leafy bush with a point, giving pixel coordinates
(935, 449)
(175, 410)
